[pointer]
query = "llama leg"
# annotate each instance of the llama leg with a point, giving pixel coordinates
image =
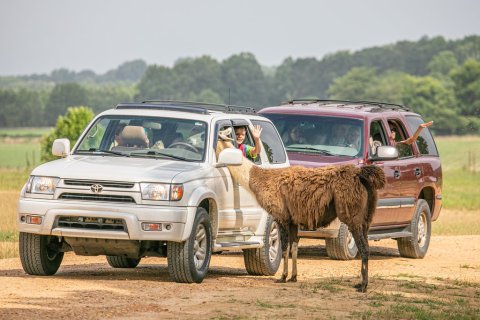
(362, 245)
(293, 241)
(284, 235)
(285, 265)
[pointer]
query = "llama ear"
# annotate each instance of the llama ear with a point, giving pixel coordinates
(224, 134)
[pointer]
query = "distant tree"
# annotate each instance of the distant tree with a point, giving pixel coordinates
(389, 88)
(428, 97)
(467, 48)
(295, 79)
(158, 82)
(69, 126)
(20, 108)
(7, 106)
(207, 96)
(62, 76)
(104, 97)
(130, 71)
(195, 75)
(442, 63)
(244, 79)
(62, 97)
(354, 85)
(467, 87)
(331, 67)
(86, 76)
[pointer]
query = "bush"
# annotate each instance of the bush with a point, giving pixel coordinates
(69, 126)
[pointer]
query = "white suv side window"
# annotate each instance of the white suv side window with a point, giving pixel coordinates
(271, 142)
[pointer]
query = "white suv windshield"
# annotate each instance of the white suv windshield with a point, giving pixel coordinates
(156, 137)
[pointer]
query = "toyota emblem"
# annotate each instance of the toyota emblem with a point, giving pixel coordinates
(96, 188)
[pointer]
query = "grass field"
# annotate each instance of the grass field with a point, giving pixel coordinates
(8, 232)
(461, 192)
(24, 132)
(19, 155)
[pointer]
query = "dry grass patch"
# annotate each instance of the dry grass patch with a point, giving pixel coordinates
(8, 249)
(8, 227)
(457, 222)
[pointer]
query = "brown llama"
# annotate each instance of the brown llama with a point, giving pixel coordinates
(313, 197)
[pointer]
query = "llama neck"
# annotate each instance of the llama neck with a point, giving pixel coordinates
(241, 173)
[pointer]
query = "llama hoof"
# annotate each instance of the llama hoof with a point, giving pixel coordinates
(360, 287)
(292, 279)
(281, 280)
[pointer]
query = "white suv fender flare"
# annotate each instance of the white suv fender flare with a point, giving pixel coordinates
(197, 196)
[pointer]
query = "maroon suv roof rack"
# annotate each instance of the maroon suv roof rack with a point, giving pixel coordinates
(376, 106)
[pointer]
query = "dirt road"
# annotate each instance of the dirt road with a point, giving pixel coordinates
(87, 288)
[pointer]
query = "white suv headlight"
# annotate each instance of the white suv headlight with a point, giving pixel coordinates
(161, 191)
(43, 185)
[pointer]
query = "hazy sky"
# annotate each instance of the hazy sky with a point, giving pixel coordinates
(38, 36)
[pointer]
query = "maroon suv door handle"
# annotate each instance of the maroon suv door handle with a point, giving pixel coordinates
(396, 174)
(417, 171)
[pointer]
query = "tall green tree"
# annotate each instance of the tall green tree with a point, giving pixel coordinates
(295, 79)
(130, 71)
(62, 97)
(467, 87)
(104, 97)
(430, 98)
(158, 82)
(20, 108)
(244, 81)
(442, 63)
(196, 75)
(354, 85)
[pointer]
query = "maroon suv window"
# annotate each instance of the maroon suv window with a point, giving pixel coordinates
(323, 135)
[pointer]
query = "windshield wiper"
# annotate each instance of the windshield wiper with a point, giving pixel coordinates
(158, 153)
(103, 151)
(317, 150)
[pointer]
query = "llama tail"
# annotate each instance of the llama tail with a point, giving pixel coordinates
(374, 176)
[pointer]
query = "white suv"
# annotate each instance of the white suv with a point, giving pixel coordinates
(143, 180)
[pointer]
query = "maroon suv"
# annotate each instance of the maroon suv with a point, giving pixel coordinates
(326, 132)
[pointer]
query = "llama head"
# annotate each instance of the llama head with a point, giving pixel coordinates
(224, 140)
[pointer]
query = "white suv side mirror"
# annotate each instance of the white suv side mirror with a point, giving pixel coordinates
(61, 147)
(230, 157)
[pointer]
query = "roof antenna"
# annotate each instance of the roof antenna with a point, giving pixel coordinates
(228, 96)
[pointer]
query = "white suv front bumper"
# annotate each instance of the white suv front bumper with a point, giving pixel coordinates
(178, 218)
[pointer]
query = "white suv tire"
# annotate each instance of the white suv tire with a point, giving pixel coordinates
(122, 262)
(39, 254)
(188, 261)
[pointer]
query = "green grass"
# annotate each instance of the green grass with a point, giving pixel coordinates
(24, 132)
(421, 300)
(13, 179)
(19, 155)
(461, 189)
(454, 152)
(461, 171)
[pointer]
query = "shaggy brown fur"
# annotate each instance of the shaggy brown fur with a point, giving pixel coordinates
(312, 198)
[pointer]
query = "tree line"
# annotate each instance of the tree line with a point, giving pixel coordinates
(436, 77)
